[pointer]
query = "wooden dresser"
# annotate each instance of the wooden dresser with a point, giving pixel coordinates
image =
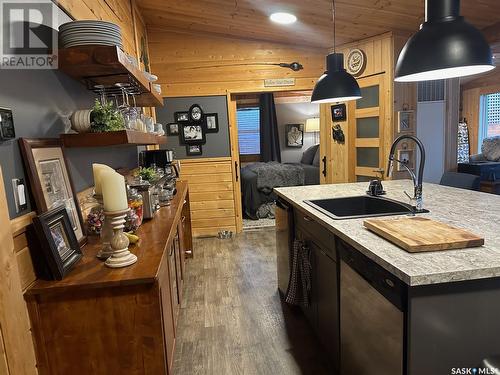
(116, 321)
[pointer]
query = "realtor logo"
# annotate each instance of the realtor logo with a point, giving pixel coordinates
(28, 36)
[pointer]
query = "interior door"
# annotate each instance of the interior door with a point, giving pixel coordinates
(367, 121)
(235, 159)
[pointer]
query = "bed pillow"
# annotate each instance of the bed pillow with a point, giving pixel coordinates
(315, 162)
(308, 155)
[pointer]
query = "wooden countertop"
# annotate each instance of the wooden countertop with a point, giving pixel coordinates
(91, 272)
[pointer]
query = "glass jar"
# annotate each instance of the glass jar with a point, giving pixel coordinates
(95, 220)
(135, 215)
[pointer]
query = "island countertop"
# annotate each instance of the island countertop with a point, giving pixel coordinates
(470, 210)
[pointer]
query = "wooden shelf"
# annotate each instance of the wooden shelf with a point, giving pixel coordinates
(118, 138)
(107, 65)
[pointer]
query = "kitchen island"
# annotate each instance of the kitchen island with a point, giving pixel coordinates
(381, 310)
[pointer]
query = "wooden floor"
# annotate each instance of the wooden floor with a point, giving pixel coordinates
(232, 320)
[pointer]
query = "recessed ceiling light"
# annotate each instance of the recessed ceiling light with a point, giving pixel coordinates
(283, 18)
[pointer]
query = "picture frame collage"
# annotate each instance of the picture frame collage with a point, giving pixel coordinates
(192, 126)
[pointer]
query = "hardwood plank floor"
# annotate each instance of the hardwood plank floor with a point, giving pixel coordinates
(232, 320)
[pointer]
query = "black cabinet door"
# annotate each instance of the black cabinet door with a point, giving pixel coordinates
(328, 305)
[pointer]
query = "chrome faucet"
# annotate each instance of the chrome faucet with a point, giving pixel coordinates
(417, 180)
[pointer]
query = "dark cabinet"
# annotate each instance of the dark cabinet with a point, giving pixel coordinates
(327, 304)
(323, 312)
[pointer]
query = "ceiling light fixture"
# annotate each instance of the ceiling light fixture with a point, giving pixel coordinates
(283, 18)
(446, 46)
(335, 85)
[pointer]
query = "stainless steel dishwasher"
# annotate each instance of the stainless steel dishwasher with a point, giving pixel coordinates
(372, 302)
(284, 242)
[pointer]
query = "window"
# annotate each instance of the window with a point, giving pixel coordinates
(249, 131)
(490, 116)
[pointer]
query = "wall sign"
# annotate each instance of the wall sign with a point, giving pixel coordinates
(356, 62)
(280, 82)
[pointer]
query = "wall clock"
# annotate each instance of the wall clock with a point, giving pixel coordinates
(356, 62)
(195, 113)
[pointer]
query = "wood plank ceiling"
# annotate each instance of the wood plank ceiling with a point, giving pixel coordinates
(248, 19)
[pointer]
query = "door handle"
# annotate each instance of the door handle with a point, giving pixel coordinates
(324, 166)
(236, 170)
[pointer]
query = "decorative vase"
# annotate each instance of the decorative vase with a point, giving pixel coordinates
(81, 120)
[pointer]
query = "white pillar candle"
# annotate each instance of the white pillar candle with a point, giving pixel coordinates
(97, 169)
(114, 193)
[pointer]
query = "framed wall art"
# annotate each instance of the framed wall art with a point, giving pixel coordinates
(406, 122)
(173, 128)
(294, 135)
(192, 134)
(193, 150)
(212, 122)
(181, 116)
(50, 180)
(407, 157)
(339, 112)
(58, 242)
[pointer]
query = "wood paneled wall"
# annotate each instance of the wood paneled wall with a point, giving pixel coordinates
(471, 94)
(17, 355)
(195, 64)
(117, 11)
(211, 195)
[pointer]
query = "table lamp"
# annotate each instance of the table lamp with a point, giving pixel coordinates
(312, 126)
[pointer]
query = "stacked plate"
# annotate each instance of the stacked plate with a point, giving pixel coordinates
(89, 32)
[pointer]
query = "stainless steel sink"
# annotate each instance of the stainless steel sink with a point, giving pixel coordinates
(360, 206)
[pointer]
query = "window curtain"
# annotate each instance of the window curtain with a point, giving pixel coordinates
(269, 134)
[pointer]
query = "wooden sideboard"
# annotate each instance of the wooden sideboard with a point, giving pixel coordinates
(100, 320)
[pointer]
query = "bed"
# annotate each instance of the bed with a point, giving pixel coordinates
(259, 179)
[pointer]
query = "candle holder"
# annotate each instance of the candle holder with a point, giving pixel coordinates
(106, 233)
(121, 256)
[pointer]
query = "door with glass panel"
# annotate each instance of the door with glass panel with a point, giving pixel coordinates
(367, 122)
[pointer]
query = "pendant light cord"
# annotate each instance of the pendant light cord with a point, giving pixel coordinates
(333, 19)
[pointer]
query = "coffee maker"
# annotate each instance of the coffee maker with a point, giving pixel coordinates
(164, 160)
(159, 158)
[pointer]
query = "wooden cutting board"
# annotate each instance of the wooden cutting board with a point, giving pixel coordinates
(418, 234)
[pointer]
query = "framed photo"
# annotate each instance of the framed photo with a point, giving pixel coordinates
(181, 116)
(192, 150)
(173, 128)
(58, 242)
(408, 157)
(193, 134)
(294, 135)
(212, 122)
(406, 122)
(50, 181)
(339, 112)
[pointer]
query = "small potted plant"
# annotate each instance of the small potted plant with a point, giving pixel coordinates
(147, 174)
(105, 118)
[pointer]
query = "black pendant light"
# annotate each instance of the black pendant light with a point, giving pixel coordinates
(335, 85)
(445, 47)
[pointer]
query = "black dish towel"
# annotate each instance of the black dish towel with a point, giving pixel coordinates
(299, 286)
